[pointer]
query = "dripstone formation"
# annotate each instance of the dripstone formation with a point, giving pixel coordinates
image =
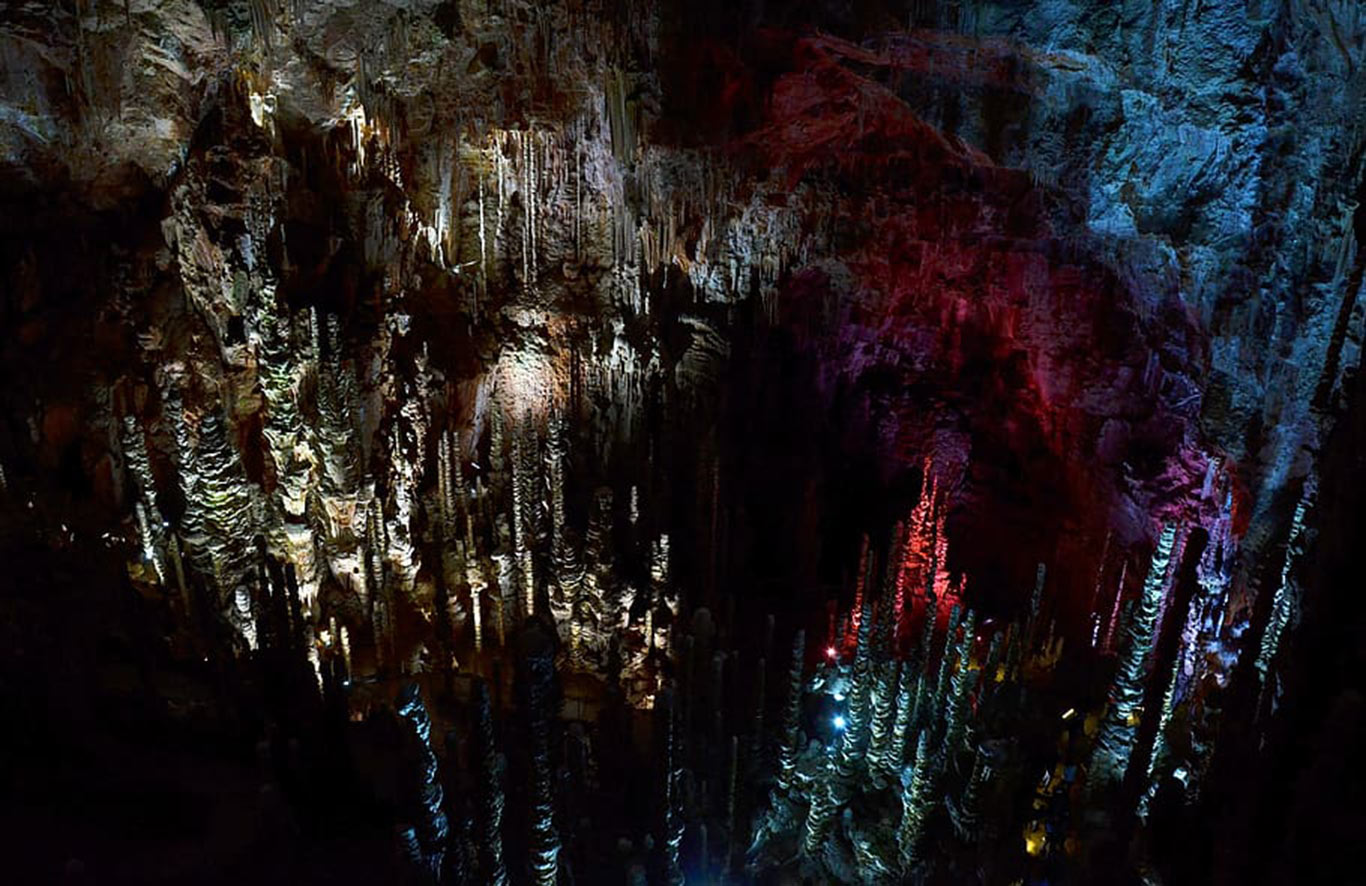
(505, 442)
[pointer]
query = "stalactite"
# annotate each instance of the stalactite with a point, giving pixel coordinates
(1115, 741)
(522, 499)
(787, 755)
(490, 791)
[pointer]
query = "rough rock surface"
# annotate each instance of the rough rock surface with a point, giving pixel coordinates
(361, 330)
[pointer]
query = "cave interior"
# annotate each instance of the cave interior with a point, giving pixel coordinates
(653, 442)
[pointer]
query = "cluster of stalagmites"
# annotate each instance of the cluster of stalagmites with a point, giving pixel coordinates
(919, 706)
(365, 468)
(505, 549)
(903, 728)
(390, 496)
(327, 561)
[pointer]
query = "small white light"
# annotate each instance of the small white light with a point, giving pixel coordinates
(830, 651)
(839, 722)
(1069, 713)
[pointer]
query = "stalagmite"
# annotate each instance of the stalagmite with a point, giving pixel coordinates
(1035, 601)
(474, 576)
(853, 739)
(895, 755)
(914, 807)
(135, 452)
(432, 828)
(426, 312)
(284, 427)
(345, 634)
(672, 822)
(880, 744)
(856, 611)
(1113, 623)
(1115, 741)
(732, 790)
(919, 702)
(490, 799)
(1158, 752)
(379, 587)
(787, 754)
(1283, 603)
(893, 582)
(939, 689)
(968, 809)
(151, 551)
(991, 671)
(833, 789)
(757, 739)
(957, 709)
(544, 843)
(219, 516)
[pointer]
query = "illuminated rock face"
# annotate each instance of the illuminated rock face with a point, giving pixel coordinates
(368, 336)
